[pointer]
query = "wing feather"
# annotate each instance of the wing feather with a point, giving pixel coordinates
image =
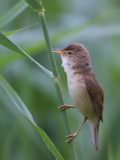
(96, 94)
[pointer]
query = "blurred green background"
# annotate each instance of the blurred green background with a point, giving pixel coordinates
(18, 139)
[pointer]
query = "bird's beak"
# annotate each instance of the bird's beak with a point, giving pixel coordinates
(59, 51)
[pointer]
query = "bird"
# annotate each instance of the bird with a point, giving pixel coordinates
(84, 89)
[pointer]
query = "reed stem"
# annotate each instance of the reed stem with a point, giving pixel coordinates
(57, 83)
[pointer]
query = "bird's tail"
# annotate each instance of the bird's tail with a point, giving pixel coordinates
(94, 126)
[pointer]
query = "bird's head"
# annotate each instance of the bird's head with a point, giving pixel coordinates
(74, 56)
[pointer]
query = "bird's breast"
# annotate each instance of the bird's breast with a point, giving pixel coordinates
(80, 96)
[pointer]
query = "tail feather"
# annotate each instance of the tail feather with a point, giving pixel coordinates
(94, 125)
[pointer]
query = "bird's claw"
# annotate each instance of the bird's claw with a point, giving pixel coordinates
(63, 107)
(70, 137)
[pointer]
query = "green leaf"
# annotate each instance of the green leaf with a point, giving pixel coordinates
(18, 103)
(12, 13)
(21, 29)
(35, 5)
(9, 44)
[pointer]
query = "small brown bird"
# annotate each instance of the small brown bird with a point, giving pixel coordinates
(83, 87)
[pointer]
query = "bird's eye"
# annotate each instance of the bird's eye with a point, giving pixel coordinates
(69, 53)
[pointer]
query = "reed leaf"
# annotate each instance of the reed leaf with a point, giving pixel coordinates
(10, 45)
(11, 14)
(18, 103)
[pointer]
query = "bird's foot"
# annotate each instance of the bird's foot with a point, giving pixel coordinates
(65, 106)
(71, 137)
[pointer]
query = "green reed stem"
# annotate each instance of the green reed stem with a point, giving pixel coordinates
(57, 83)
(37, 6)
(48, 44)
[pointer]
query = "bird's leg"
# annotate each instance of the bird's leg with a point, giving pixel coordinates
(65, 106)
(72, 136)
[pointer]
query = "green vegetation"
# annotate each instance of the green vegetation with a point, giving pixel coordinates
(29, 132)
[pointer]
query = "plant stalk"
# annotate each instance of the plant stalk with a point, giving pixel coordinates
(57, 83)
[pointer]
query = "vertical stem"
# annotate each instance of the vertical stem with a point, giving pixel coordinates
(57, 83)
(48, 44)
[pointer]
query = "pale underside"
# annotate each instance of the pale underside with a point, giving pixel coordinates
(80, 97)
(78, 92)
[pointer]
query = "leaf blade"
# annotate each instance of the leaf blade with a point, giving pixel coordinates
(20, 29)
(36, 5)
(18, 103)
(10, 45)
(13, 13)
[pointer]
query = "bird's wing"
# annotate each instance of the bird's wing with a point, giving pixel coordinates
(96, 94)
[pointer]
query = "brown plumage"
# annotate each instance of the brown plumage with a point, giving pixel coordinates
(84, 88)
